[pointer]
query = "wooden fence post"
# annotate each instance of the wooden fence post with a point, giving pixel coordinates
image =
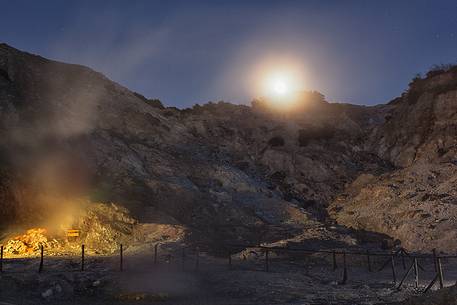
(440, 272)
(40, 268)
(82, 257)
(394, 273)
(368, 261)
(121, 257)
(416, 273)
(431, 283)
(1, 258)
(402, 253)
(155, 253)
(345, 270)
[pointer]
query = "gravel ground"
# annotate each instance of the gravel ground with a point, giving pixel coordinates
(290, 280)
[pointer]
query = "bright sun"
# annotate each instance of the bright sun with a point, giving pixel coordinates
(277, 77)
(280, 87)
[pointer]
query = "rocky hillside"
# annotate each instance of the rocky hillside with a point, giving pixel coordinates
(229, 173)
(415, 203)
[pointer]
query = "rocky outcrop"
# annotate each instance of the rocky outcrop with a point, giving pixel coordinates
(229, 173)
(417, 202)
(421, 124)
(70, 132)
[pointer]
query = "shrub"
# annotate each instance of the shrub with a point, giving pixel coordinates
(439, 69)
(156, 103)
(276, 141)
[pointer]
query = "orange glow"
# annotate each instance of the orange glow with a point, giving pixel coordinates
(27, 243)
(278, 79)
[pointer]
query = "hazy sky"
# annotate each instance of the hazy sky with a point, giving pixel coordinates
(187, 52)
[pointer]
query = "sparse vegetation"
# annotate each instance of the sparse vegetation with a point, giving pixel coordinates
(156, 103)
(418, 85)
(439, 69)
(301, 100)
(276, 141)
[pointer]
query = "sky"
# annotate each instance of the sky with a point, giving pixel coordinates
(187, 52)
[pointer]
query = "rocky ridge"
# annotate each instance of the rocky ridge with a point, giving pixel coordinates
(414, 203)
(229, 173)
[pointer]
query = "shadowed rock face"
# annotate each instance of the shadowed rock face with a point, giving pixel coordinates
(225, 171)
(417, 202)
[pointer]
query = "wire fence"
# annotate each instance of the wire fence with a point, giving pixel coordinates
(373, 261)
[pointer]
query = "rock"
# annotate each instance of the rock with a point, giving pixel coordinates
(30, 242)
(47, 293)
(58, 288)
(446, 296)
(222, 170)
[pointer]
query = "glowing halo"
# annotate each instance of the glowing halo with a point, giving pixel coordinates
(278, 79)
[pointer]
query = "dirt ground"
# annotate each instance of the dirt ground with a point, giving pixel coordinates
(299, 279)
